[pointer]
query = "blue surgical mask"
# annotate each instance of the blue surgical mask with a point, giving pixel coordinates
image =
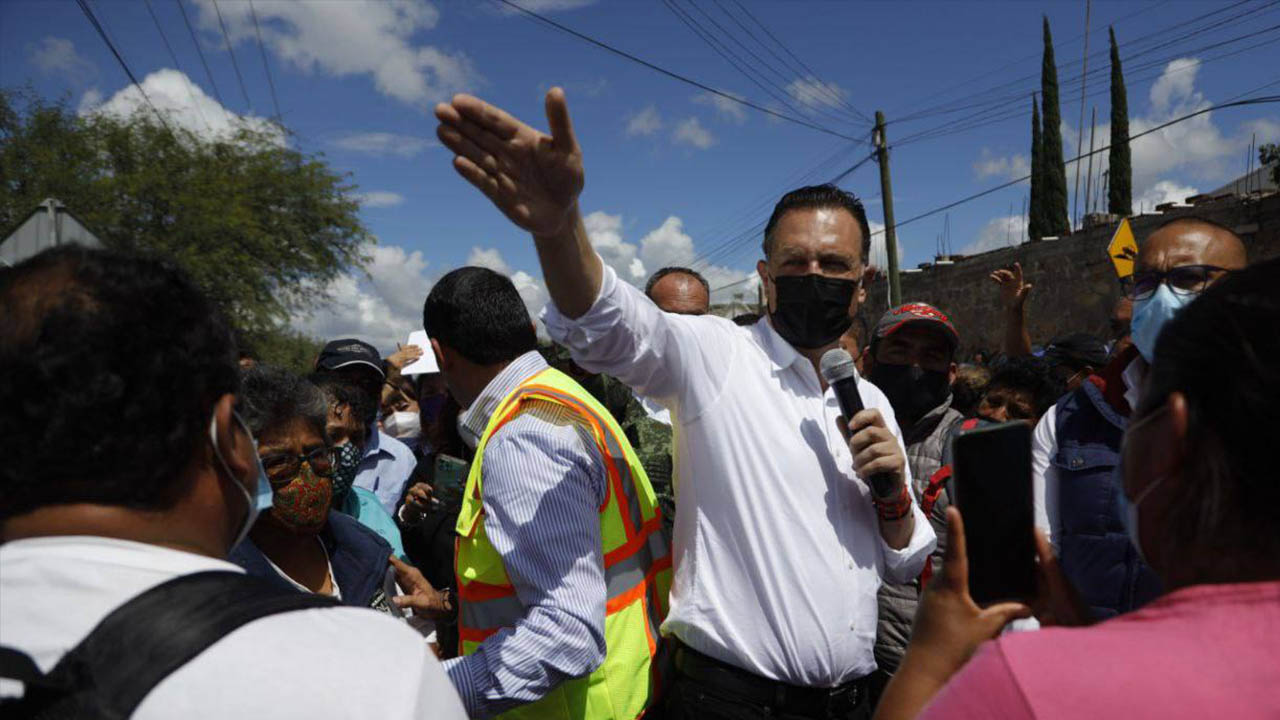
(1150, 315)
(260, 500)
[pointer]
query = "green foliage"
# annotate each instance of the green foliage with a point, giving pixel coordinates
(1053, 184)
(1035, 213)
(1120, 172)
(285, 348)
(261, 227)
(1269, 154)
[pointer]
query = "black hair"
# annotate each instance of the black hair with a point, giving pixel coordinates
(814, 197)
(340, 391)
(271, 396)
(675, 270)
(110, 367)
(1220, 353)
(746, 319)
(479, 314)
(1028, 373)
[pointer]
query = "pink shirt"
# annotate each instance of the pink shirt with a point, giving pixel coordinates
(1207, 651)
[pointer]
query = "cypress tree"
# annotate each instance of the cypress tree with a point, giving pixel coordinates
(1035, 210)
(1120, 179)
(1054, 186)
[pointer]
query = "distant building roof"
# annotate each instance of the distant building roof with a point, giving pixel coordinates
(48, 225)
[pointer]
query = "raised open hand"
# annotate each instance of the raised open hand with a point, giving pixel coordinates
(532, 177)
(1013, 291)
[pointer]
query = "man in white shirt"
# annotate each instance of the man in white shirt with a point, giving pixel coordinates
(127, 469)
(779, 544)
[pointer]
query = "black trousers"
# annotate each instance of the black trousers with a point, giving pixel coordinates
(701, 698)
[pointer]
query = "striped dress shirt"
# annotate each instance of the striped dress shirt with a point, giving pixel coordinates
(544, 481)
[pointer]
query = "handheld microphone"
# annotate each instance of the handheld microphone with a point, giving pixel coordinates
(842, 375)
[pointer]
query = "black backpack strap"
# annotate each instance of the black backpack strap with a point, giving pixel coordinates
(140, 643)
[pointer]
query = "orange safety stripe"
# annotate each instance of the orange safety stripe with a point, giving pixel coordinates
(599, 428)
(477, 591)
(627, 549)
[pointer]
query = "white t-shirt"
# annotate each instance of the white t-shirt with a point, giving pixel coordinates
(331, 662)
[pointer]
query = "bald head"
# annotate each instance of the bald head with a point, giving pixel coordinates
(1191, 241)
(680, 291)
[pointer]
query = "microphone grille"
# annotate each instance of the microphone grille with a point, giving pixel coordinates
(837, 364)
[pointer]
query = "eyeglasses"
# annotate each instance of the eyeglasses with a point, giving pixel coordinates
(1182, 280)
(286, 466)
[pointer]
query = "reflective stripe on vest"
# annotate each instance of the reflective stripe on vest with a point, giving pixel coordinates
(637, 564)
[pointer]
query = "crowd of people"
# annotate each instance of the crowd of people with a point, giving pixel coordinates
(663, 513)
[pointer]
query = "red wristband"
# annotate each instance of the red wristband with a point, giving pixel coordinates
(895, 509)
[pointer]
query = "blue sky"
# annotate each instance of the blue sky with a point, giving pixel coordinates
(672, 173)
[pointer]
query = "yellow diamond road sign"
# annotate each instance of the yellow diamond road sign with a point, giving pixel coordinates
(1123, 250)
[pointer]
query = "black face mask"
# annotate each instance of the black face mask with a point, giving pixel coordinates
(812, 310)
(912, 390)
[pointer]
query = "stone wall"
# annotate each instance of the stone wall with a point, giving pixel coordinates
(1075, 286)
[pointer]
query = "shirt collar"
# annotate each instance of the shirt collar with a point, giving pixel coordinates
(374, 444)
(473, 420)
(781, 352)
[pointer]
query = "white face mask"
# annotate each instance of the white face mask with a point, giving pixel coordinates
(403, 425)
(261, 499)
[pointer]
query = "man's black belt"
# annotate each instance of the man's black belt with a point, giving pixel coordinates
(757, 690)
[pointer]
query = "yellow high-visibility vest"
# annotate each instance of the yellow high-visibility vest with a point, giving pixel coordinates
(637, 565)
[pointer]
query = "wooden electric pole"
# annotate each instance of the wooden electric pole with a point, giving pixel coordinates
(886, 200)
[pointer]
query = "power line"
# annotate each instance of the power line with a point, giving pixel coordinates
(1235, 103)
(262, 49)
(196, 41)
(231, 51)
(805, 69)
(93, 20)
(676, 76)
(173, 56)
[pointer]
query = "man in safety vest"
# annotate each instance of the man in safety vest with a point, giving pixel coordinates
(562, 575)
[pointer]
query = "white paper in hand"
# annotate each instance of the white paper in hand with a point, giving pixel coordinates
(426, 363)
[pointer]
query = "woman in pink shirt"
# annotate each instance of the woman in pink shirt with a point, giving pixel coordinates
(1202, 491)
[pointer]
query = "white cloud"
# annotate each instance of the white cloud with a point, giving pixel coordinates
(382, 307)
(1162, 192)
(58, 56)
(605, 231)
(182, 103)
(383, 143)
(379, 199)
(666, 246)
(691, 132)
(645, 122)
(489, 258)
(725, 107)
(999, 232)
(1005, 167)
(1194, 150)
(353, 37)
(545, 6)
(817, 93)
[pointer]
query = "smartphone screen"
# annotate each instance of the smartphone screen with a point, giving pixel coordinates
(992, 483)
(450, 480)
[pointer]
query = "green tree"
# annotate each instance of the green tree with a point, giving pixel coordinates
(1120, 172)
(1054, 177)
(260, 226)
(1269, 154)
(1035, 211)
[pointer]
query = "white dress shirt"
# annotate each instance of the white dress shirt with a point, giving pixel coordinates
(1044, 445)
(342, 662)
(778, 554)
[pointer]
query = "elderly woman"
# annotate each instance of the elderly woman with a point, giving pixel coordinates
(301, 542)
(1200, 490)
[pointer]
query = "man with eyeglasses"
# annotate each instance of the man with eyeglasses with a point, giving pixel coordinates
(1076, 445)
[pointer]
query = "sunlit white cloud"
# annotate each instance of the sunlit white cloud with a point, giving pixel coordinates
(379, 199)
(646, 122)
(384, 144)
(58, 56)
(691, 132)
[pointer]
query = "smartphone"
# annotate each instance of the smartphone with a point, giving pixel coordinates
(992, 489)
(450, 480)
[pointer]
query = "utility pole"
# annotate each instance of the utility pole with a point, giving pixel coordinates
(1084, 77)
(886, 200)
(1088, 176)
